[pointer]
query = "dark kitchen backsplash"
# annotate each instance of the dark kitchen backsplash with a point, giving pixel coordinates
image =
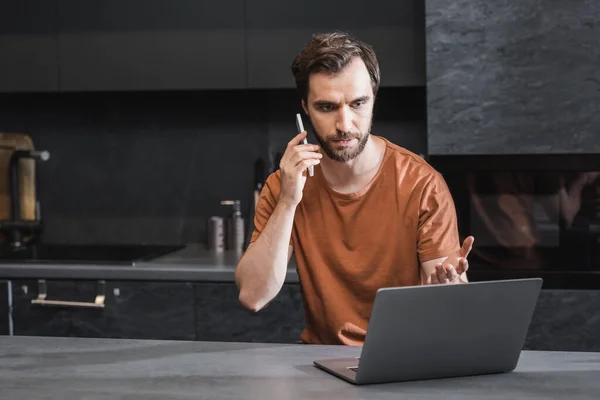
(151, 167)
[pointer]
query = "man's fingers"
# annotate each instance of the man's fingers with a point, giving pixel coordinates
(295, 152)
(463, 265)
(467, 246)
(304, 164)
(297, 139)
(445, 274)
(305, 155)
(434, 279)
(451, 272)
(305, 147)
(441, 274)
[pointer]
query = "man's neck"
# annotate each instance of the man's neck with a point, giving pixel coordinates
(345, 175)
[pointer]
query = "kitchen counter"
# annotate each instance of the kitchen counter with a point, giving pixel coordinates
(194, 263)
(60, 368)
(191, 264)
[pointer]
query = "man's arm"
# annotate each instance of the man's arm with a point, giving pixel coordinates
(441, 259)
(262, 269)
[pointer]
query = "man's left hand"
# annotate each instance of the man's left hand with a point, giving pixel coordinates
(453, 267)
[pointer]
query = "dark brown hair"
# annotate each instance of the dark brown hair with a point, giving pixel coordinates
(332, 52)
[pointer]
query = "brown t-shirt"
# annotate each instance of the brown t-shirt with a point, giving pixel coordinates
(347, 246)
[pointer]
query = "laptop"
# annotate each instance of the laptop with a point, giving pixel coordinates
(442, 331)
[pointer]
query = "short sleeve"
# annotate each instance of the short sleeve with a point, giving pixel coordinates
(267, 202)
(437, 235)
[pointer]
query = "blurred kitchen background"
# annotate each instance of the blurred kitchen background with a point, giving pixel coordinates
(154, 112)
(136, 118)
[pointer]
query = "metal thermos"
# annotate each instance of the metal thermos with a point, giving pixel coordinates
(235, 227)
(216, 234)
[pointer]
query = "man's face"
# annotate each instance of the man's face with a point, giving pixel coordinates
(340, 108)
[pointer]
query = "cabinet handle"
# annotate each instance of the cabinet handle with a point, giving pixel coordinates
(42, 293)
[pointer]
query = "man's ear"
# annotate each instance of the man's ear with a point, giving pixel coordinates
(304, 107)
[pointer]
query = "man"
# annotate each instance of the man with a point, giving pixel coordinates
(373, 215)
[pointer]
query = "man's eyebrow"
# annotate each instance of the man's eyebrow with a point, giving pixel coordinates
(361, 98)
(331, 103)
(323, 103)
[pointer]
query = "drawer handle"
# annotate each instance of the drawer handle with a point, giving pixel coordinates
(42, 293)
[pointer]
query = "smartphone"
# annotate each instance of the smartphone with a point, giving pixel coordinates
(300, 126)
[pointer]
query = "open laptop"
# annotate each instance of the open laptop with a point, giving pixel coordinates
(442, 331)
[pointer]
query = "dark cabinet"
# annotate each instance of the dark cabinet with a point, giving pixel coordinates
(151, 44)
(564, 320)
(70, 45)
(277, 30)
(152, 310)
(220, 316)
(141, 310)
(4, 309)
(28, 46)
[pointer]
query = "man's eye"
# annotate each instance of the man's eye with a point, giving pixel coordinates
(358, 104)
(325, 107)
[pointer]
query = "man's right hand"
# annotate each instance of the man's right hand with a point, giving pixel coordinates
(294, 162)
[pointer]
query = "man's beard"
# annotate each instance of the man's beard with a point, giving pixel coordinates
(344, 154)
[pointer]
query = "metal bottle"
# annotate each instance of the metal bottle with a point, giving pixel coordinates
(235, 226)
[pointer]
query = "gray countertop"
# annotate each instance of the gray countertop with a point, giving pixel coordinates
(191, 264)
(60, 368)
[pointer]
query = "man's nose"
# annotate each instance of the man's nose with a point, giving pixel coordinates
(344, 120)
